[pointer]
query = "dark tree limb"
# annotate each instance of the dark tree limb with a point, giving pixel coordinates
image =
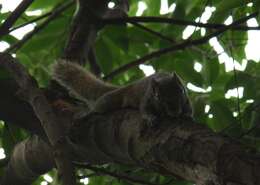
(9, 22)
(174, 22)
(30, 158)
(180, 46)
(180, 148)
(49, 121)
(83, 31)
(176, 147)
(14, 110)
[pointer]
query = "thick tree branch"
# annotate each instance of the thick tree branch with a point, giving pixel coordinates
(49, 121)
(38, 28)
(4, 28)
(11, 105)
(177, 147)
(180, 46)
(30, 158)
(173, 21)
(84, 30)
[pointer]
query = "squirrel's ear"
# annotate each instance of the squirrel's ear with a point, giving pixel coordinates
(174, 76)
(176, 79)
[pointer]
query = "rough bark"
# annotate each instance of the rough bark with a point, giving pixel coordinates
(29, 91)
(84, 30)
(177, 147)
(14, 110)
(31, 158)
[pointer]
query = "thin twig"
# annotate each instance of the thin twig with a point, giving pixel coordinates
(236, 82)
(4, 28)
(88, 175)
(35, 19)
(195, 27)
(117, 175)
(31, 21)
(173, 21)
(27, 37)
(94, 67)
(183, 45)
(153, 32)
(166, 38)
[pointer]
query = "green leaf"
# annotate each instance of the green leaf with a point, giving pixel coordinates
(210, 71)
(104, 55)
(224, 9)
(153, 7)
(245, 80)
(46, 4)
(198, 104)
(222, 114)
(10, 136)
(118, 35)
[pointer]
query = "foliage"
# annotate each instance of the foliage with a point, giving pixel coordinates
(118, 45)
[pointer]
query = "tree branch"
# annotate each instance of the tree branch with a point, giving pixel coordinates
(4, 28)
(11, 105)
(35, 19)
(159, 35)
(173, 21)
(180, 46)
(31, 21)
(84, 29)
(38, 28)
(116, 175)
(29, 159)
(49, 121)
(176, 147)
(94, 67)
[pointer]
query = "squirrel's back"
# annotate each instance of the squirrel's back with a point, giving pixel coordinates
(80, 82)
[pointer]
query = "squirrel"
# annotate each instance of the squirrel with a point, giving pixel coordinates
(158, 95)
(161, 94)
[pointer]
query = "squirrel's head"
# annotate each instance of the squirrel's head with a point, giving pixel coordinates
(169, 94)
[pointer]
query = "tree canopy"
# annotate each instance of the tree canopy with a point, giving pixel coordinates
(209, 44)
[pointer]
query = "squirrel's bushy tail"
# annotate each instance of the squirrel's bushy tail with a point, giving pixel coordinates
(78, 81)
